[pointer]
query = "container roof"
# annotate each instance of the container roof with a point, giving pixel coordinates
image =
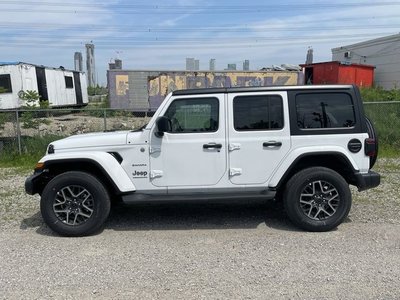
(15, 63)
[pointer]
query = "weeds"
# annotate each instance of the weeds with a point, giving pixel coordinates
(33, 148)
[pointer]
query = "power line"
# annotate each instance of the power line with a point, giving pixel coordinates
(142, 29)
(177, 9)
(228, 7)
(178, 42)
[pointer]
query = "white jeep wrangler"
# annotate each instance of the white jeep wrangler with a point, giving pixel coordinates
(303, 145)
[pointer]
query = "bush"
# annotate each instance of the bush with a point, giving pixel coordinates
(379, 94)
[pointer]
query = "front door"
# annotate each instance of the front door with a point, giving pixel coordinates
(193, 152)
(259, 136)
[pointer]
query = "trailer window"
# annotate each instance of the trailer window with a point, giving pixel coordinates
(5, 83)
(68, 82)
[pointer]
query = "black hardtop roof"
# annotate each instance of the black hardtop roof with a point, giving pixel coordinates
(258, 89)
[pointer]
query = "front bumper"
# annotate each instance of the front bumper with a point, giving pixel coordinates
(368, 180)
(35, 183)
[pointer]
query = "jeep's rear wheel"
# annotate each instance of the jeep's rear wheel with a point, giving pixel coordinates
(317, 199)
(75, 204)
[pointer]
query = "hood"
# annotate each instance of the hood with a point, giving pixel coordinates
(88, 140)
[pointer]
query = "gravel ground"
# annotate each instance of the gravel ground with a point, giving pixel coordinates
(203, 251)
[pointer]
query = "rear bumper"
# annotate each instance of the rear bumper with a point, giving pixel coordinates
(368, 180)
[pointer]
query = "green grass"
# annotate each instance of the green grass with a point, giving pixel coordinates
(386, 119)
(33, 148)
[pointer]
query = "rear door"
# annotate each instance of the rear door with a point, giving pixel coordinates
(258, 135)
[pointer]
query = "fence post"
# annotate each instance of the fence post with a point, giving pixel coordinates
(105, 119)
(18, 132)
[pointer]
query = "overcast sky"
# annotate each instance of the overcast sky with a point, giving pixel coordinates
(161, 34)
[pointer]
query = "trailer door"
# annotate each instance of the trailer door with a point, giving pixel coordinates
(78, 88)
(42, 84)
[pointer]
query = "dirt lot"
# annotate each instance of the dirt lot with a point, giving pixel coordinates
(203, 251)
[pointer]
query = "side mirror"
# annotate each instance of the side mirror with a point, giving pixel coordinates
(163, 125)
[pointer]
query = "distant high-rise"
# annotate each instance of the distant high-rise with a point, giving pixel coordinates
(189, 63)
(90, 65)
(231, 67)
(196, 64)
(309, 58)
(78, 61)
(246, 65)
(212, 64)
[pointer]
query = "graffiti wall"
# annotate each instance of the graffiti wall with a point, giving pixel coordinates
(159, 86)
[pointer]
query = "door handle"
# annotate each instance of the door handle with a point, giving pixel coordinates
(212, 146)
(272, 144)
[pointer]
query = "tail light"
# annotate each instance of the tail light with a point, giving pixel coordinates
(370, 147)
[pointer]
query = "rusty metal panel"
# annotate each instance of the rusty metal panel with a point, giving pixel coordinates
(160, 86)
(145, 90)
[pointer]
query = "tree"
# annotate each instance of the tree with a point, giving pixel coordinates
(32, 102)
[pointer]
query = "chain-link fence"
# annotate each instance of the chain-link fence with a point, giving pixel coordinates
(23, 131)
(386, 119)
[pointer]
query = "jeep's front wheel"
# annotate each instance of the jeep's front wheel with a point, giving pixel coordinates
(75, 204)
(317, 199)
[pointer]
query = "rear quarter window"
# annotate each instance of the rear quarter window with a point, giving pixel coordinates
(325, 110)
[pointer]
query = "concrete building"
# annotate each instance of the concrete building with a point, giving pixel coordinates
(196, 64)
(246, 65)
(90, 65)
(383, 53)
(212, 64)
(78, 61)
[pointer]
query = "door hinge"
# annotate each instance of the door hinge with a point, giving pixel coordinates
(154, 150)
(235, 171)
(234, 146)
(156, 174)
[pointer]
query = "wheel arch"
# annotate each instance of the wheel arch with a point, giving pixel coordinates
(113, 177)
(332, 160)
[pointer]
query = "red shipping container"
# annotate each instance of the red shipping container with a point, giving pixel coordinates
(335, 72)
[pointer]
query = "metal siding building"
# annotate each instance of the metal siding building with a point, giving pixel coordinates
(61, 87)
(383, 53)
(145, 90)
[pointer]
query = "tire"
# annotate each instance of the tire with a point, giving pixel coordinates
(313, 189)
(75, 204)
(372, 134)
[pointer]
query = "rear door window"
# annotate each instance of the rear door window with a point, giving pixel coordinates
(263, 112)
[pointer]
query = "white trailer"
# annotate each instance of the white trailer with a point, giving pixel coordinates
(61, 87)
